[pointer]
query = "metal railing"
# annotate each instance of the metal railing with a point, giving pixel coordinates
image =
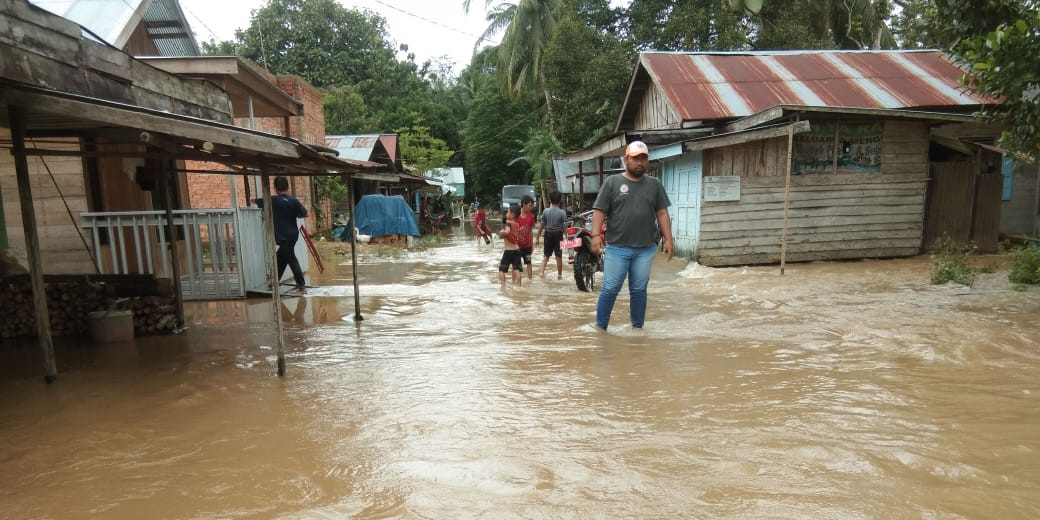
(208, 244)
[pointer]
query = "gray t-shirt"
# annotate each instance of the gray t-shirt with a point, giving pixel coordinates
(553, 219)
(631, 208)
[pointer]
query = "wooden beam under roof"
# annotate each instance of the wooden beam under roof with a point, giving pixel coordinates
(236, 75)
(779, 111)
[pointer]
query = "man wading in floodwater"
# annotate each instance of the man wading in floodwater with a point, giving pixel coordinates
(632, 204)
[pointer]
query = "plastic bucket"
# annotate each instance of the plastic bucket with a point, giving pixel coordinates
(111, 326)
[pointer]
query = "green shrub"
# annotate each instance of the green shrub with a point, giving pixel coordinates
(1025, 268)
(950, 261)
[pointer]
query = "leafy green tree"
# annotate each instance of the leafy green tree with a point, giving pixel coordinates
(1002, 64)
(587, 73)
(914, 25)
(420, 151)
(795, 24)
(495, 130)
(319, 40)
(527, 26)
(720, 25)
(687, 25)
(223, 48)
(348, 54)
(538, 152)
(346, 112)
(996, 42)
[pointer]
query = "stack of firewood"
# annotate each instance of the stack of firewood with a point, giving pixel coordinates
(69, 304)
(153, 314)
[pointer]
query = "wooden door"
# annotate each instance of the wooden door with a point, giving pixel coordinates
(963, 205)
(681, 177)
(986, 224)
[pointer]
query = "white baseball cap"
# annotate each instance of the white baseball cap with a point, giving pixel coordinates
(636, 148)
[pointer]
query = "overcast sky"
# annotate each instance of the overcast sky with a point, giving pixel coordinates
(431, 28)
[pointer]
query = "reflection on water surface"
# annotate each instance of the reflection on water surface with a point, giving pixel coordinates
(839, 390)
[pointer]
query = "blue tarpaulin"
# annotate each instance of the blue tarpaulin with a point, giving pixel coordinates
(379, 215)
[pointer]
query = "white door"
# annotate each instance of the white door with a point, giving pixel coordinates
(681, 177)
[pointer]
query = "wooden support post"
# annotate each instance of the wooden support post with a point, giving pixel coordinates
(581, 189)
(353, 249)
(272, 267)
(249, 195)
(233, 191)
(836, 149)
(787, 198)
(32, 242)
(171, 233)
(601, 170)
(1036, 204)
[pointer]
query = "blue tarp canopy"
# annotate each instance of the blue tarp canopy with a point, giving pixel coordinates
(379, 215)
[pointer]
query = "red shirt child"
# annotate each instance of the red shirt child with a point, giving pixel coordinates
(481, 225)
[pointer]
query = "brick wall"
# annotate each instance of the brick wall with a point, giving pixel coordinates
(213, 191)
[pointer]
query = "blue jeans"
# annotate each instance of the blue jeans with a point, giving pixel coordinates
(619, 262)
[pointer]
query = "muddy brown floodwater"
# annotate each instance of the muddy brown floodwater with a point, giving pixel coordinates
(852, 390)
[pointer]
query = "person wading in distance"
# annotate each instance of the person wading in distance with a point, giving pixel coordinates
(552, 223)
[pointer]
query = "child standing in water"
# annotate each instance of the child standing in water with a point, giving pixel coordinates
(480, 224)
(511, 252)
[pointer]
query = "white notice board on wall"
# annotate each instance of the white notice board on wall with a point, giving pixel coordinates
(720, 188)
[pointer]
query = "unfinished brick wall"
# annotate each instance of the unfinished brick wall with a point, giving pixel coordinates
(213, 191)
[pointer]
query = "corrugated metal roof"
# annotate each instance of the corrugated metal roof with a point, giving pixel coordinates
(169, 30)
(115, 20)
(452, 175)
(356, 147)
(707, 86)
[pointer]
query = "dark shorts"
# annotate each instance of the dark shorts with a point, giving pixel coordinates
(510, 258)
(552, 244)
(525, 252)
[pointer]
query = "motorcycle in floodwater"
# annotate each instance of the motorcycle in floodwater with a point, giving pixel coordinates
(586, 263)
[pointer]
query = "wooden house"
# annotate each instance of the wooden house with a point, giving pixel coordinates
(815, 155)
(156, 33)
(85, 123)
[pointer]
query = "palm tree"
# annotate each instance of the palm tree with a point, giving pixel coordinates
(538, 152)
(528, 26)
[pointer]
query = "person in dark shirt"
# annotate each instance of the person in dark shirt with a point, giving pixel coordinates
(631, 203)
(286, 209)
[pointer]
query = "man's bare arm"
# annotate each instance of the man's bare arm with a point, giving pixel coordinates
(665, 223)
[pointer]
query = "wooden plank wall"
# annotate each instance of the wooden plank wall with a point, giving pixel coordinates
(986, 227)
(765, 158)
(831, 216)
(60, 244)
(950, 201)
(655, 112)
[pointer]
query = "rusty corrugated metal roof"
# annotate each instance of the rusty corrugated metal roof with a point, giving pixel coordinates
(707, 86)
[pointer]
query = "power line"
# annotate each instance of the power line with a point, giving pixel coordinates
(491, 139)
(435, 22)
(213, 35)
